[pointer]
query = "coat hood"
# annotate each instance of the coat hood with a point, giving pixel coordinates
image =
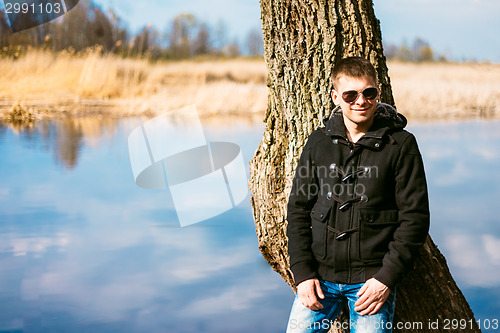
(386, 119)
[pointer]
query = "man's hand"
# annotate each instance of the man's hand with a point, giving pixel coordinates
(307, 291)
(372, 296)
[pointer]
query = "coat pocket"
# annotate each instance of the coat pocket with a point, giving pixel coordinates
(319, 218)
(376, 232)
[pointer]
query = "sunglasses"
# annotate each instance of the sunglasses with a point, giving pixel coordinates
(350, 96)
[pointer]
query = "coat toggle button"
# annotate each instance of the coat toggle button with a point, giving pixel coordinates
(342, 236)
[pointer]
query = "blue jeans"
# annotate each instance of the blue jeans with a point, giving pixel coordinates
(305, 320)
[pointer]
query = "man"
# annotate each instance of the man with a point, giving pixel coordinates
(358, 209)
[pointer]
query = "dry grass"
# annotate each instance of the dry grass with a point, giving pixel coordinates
(94, 83)
(91, 83)
(446, 90)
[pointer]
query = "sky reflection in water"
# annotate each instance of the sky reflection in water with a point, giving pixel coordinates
(83, 248)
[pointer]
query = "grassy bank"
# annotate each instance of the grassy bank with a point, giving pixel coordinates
(47, 83)
(53, 84)
(446, 90)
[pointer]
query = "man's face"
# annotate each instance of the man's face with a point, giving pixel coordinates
(360, 111)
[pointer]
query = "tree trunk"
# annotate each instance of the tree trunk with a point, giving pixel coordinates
(302, 41)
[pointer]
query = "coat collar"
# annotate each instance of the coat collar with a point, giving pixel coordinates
(386, 119)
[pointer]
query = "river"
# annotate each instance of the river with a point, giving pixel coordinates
(83, 248)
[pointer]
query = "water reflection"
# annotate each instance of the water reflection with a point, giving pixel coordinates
(82, 248)
(65, 137)
(462, 160)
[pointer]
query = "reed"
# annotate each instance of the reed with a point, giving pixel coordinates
(76, 84)
(446, 90)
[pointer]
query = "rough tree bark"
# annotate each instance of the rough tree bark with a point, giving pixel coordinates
(302, 41)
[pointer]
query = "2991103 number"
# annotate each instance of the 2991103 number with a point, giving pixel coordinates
(462, 324)
(33, 8)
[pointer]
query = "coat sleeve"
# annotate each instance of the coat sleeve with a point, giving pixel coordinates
(413, 217)
(302, 198)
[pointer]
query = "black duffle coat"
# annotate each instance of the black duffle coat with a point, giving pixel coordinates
(358, 210)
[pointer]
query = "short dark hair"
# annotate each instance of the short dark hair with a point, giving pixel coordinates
(354, 67)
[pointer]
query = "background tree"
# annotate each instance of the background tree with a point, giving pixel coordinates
(4, 30)
(119, 32)
(87, 25)
(302, 41)
(422, 50)
(255, 43)
(84, 26)
(145, 43)
(201, 44)
(231, 50)
(220, 36)
(102, 30)
(181, 35)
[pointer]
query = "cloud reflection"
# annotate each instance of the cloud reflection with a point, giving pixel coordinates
(89, 246)
(476, 259)
(19, 245)
(464, 189)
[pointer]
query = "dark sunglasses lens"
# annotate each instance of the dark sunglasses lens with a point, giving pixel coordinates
(370, 93)
(350, 96)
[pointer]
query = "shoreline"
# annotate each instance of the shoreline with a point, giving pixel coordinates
(63, 85)
(29, 111)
